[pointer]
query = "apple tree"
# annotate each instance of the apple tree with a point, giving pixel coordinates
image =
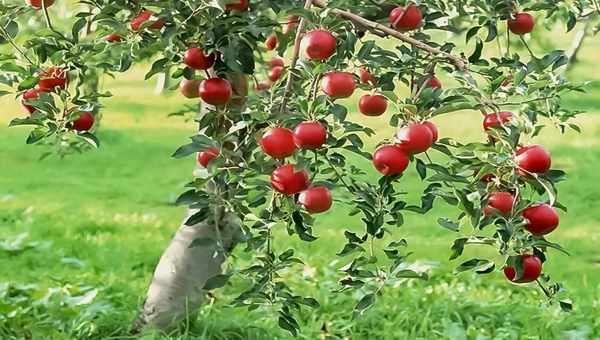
(274, 145)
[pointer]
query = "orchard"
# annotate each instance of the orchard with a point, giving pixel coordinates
(272, 87)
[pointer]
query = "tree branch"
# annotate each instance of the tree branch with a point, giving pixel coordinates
(457, 61)
(295, 55)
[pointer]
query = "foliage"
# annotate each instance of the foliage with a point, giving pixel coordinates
(492, 81)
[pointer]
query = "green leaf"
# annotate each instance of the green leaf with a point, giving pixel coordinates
(365, 303)
(217, 281)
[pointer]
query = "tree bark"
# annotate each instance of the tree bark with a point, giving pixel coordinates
(576, 44)
(176, 289)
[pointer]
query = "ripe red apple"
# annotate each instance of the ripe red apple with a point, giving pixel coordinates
(533, 159)
(415, 138)
(286, 180)
(27, 95)
(406, 19)
(310, 135)
(433, 82)
(278, 143)
(205, 157)
(277, 61)
(501, 202)
(215, 91)
(532, 268)
(140, 19)
(338, 84)
(84, 122)
(291, 25)
(542, 219)
(113, 38)
(316, 200)
(195, 59)
(189, 88)
(275, 73)
(372, 105)
(495, 119)
(366, 77)
(434, 130)
(390, 160)
(241, 6)
(51, 78)
(39, 3)
(272, 42)
(318, 44)
(522, 23)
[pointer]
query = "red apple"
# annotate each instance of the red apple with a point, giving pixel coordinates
(189, 88)
(275, 73)
(501, 202)
(113, 38)
(542, 219)
(532, 268)
(240, 6)
(415, 138)
(215, 91)
(310, 135)
(316, 200)
(27, 95)
(278, 143)
(533, 159)
(434, 130)
(51, 78)
(205, 157)
(318, 44)
(522, 23)
(84, 122)
(272, 42)
(39, 3)
(406, 19)
(338, 84)
(432, 82)
(277, 61)
(372, 105)
(390, 160)
(291, 25)
(140, 19)
(286, 180)
(195, 59)
(366, 77)
(492, 120)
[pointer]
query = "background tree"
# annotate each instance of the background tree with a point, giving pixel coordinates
(297, 133)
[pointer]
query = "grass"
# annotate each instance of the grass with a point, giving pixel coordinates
(94, 225)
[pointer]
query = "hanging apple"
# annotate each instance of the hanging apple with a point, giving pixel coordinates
(542, 219)
(287, 180)
(338, 84)
(502, 202)
(310, 135)
(406, 18)
(390, 160)
(372, 105)
(190, 88)
(205, 157)
(415, 138)
(522, 23)
(532, 268)
(533, 159)
(318, 44)
(316, 200)
(215, 91)
(278, 143)
(195, 59)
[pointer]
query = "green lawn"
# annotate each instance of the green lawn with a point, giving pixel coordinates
(95, 225)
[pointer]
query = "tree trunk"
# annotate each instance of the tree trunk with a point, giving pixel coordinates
(182, 272)
(576, 45)
(176, 288)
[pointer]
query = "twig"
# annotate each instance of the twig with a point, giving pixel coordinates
(47, 16)
(12, 42)
(457, 61)
(295, 55)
